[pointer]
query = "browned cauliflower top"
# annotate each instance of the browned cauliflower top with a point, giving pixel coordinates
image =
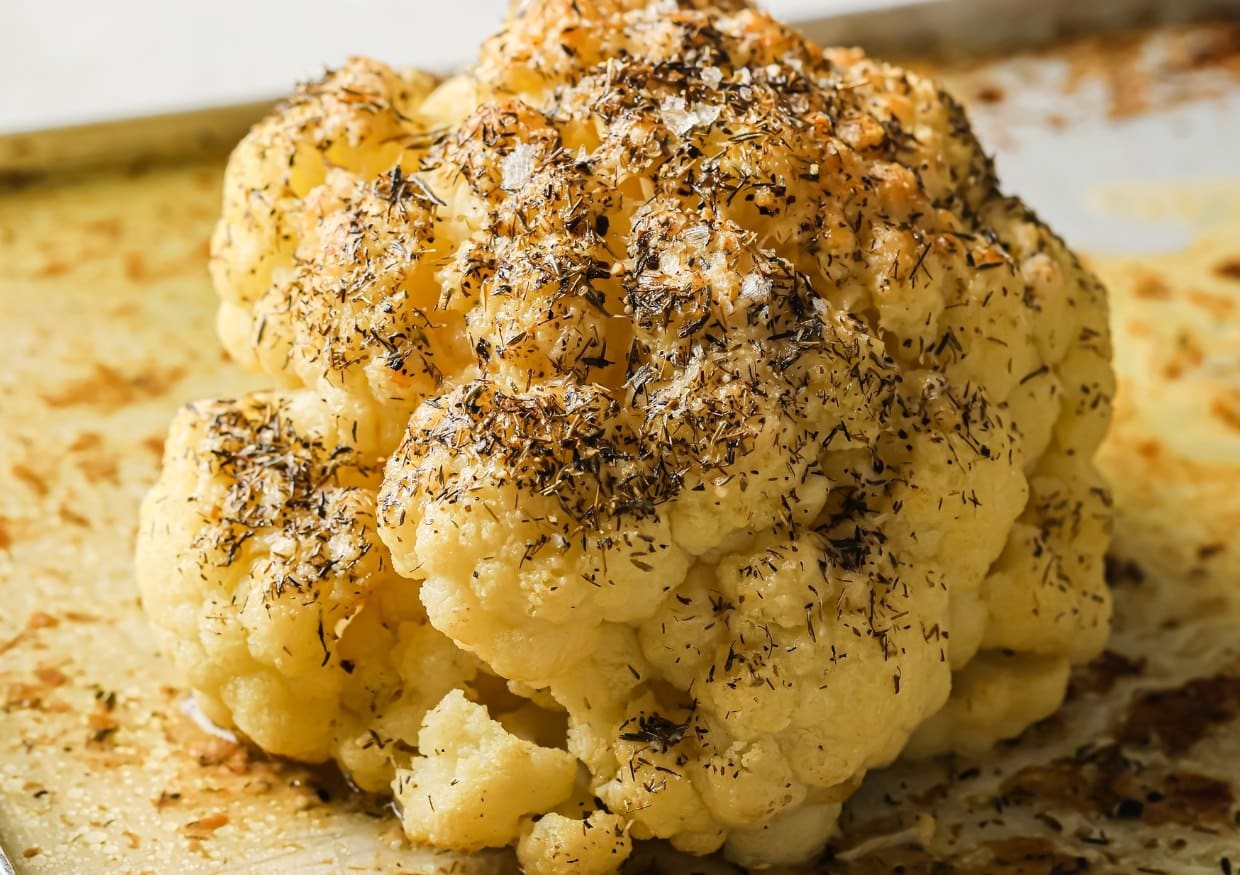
(728, 408)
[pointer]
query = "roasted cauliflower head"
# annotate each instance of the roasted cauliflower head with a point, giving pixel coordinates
(686, 424)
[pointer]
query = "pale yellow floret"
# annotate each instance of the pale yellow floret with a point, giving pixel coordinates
(595, 845)
(994, 697)
(473, 781)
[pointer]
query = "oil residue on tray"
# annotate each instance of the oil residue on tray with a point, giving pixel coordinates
(107, 320)
(1119, 75)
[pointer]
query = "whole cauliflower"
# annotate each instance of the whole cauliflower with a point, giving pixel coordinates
(736, 435)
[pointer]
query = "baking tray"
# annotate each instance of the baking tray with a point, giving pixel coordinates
(1189, 139)
(1126, 143)
(125, 143)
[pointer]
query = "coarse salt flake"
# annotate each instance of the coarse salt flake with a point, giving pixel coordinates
(697, 236)
(669, 262)
(681, 118)
(755, 287)
(517, 167)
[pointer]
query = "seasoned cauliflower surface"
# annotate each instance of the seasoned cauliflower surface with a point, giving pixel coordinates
(260, 563)
(695, 381)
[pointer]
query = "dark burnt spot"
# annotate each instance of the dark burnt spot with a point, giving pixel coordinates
(1218, 47)
(1192, 799)
(72, 517)
(1152, 287)
(1105, 782)
(1149, 450)
(1209, 551)
(1228, 268)
(1173, 720)
(155, 444)
(108, 390)
(1029, 855)
(989, 94)
(1018, 855)
(1103, 673)
(34, 481)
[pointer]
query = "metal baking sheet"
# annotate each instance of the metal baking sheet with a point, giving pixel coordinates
(943, 29)
(1123, 142)
(125, 143)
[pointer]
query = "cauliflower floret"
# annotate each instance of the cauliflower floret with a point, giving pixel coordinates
(594, 845)
(352, 315)
(728, 409)
(791, 838)
(262, 572)
(473, 781)
(477, 451)
(994, 697)
(1045, 594)
(360, 117)
(325, 255)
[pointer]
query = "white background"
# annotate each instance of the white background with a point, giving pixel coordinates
(72, 61)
